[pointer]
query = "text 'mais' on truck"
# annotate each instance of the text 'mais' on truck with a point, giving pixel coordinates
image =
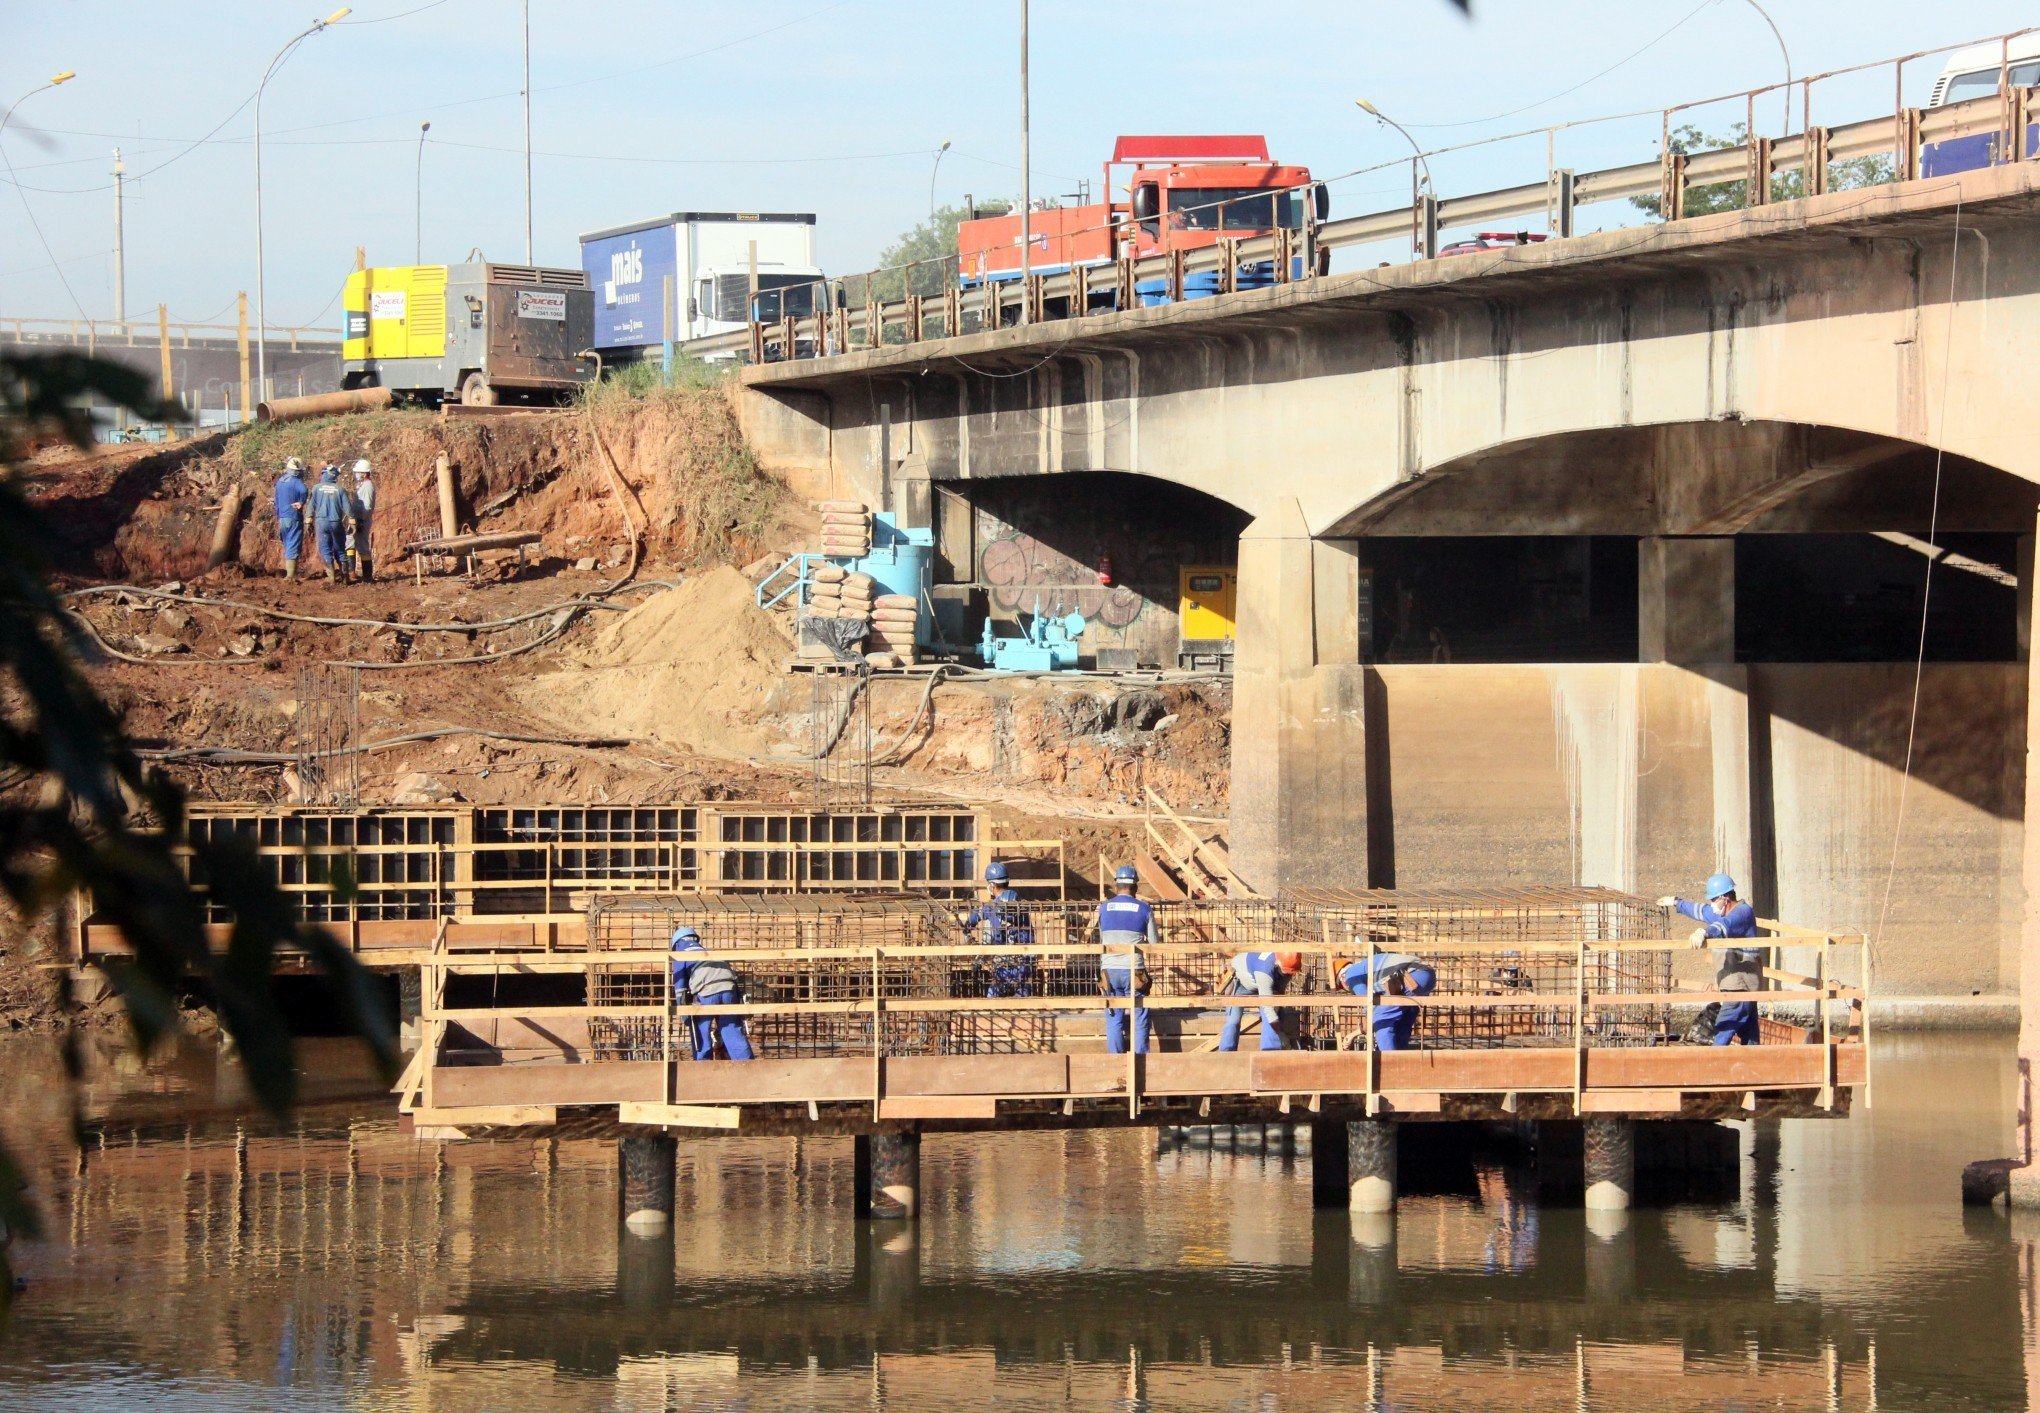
(477, 332)
(709, 256)
(1162, 193)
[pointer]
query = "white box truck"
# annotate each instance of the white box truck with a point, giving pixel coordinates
(709, 257)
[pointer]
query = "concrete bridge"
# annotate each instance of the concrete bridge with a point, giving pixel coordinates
(1788, 412)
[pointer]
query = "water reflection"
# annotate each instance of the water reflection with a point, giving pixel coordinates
(203, 1262)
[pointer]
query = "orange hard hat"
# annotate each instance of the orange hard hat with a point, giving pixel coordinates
(1291, 962)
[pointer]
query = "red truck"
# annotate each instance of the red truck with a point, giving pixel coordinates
(1179, 193)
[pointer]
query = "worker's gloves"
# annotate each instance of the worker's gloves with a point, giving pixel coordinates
(1668, 902)
(1699, 937)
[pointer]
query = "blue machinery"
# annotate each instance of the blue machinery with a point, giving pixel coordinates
(1049, 644)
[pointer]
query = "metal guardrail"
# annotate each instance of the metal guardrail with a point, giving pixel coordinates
(90, 333)
(1303, 256)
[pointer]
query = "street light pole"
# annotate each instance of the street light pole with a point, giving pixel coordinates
(1779, 36)
(119, 242)
(527, 132)
(931, 176)
(418, 200)
(1415, 151)
(261, 304)
(65, 77)
(1026, 172)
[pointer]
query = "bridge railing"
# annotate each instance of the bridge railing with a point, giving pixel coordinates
(1810, 156)
(131, 333)
(892, 1003)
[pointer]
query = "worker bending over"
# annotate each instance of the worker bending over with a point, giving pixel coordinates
(290, 514)
(1259, 974)
(1006, 924)
(1393, 974)
(331, 517)
(708, 982)
(1723, 915)
(1124, 924)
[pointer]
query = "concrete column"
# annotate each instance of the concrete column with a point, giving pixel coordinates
(889, 1177)
(1330, 1170)
(1609, 1163)
(1299, 760)
(1370, 1166)
(1685, 607)
(645, 1165)
(410, 1007)
(1610, 1257)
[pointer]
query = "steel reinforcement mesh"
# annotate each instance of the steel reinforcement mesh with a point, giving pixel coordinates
(1544, 947)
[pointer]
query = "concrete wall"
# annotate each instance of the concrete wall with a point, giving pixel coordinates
(1647, 778)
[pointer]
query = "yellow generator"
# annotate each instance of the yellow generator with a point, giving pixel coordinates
(1206, 608)
(478, 333)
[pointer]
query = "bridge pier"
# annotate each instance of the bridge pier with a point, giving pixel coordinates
(1609, 1161)
(1685, 609)
(888, 1180)
(1371, 1166)
(645, 1168)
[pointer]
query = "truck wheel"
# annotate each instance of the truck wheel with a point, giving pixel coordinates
(476, 392)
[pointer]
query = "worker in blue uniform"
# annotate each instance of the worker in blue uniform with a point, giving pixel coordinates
(1259, 974)
(290, 514)
(1125, 923)
(708, 982)
(1725, 916)
(1392, 974)
(1006, 924)
(331, 517)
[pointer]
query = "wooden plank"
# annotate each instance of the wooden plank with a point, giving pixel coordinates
(977, 1074)
(933, 1108)
(841, 1079)
(680, 1115)
(1103, 1074)
(459, 1086)
(1631, 1101)
(477, 1116)
(1410, 1102)
(1705, 1067)
(1196, 1072)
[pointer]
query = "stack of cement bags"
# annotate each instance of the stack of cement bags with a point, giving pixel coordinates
(894, 618)
(856, 592)
(825, 591)
(846, 529)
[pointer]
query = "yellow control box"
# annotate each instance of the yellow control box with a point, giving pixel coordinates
(395, 311)
(1209, 593)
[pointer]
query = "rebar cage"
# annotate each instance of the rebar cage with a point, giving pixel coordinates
(1530, 957)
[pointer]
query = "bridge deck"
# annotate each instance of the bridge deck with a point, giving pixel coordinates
(875, 1011)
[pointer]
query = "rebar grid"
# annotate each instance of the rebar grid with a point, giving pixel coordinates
(1560, 944)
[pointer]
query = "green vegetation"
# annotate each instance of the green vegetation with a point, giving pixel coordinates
(1705, 200)
(77, 806)
(636, 381)
(929, 248)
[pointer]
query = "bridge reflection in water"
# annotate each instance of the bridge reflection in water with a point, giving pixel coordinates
(198, 1259)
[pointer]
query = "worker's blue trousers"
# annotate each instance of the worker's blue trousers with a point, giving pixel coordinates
(1011, 981)
(333, 544)
(1392, 1027)
(1120, 983)
(1271, 1034)
(293, 532)
(1737, 1021)
(734, 1042)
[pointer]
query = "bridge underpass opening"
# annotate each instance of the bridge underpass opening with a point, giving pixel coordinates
(1111, 547)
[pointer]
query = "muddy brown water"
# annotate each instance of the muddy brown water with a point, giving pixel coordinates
(195, 1260)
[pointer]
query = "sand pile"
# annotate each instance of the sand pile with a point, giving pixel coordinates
(694, 667)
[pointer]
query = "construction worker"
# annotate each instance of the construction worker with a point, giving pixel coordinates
(708, 983)
(1006, 924)
(364, 516)
(1394, 974)
(1124, 924)
(290, 514)
(330, 517)
(1723, 915)
(1261, 974)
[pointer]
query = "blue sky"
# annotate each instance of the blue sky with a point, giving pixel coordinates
(834, 106)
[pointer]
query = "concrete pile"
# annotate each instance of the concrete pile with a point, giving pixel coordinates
(846, 529)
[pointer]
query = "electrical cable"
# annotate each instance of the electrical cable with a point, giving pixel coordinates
(29, 211)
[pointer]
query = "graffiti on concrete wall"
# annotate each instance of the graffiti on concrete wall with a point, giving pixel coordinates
(1018, 569)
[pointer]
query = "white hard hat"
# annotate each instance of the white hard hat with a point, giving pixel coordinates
(293, 464)
(361, 467)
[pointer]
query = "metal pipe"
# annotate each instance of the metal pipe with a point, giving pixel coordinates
(225, 540)
(293, 409)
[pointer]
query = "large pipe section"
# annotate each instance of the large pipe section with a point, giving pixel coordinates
(449, 507)
(292, 409)
(226, 542)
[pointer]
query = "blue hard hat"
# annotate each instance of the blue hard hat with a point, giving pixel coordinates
(1420, 981)
(1126, 875)
(995, 872)
(684, 935)
(329, 473)
(1719, 884)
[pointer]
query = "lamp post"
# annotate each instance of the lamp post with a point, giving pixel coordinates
(931, 176)
(65, 77)
(418, 200)
(261, 304)
(1416, 152)
(1026, 171)
(1779, 36)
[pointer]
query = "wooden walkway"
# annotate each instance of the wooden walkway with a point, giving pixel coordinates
(869, 1013)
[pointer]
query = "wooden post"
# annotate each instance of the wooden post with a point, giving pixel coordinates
(241, 339)
(163, 344)
(449, 508)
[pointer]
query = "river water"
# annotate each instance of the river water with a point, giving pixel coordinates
(195, 1260)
